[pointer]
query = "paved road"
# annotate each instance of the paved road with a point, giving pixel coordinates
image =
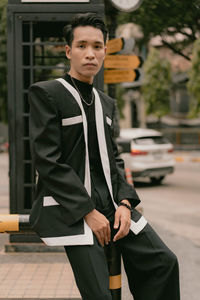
(174, 210)
(175, 205)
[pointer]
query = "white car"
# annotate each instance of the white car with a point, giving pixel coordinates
(147, 153)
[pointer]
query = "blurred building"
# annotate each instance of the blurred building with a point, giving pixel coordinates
(182, 131)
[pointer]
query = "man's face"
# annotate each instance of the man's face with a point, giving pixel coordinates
(86, 53)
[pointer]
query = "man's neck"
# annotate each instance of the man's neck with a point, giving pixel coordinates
(81, 77)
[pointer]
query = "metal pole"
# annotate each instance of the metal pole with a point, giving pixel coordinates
(113, 257)
(111, 20)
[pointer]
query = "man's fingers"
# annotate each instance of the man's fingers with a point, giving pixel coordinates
(116, 224)
(123, 231)
(99, 225)
(100, 238)
(119, 234)
(103, 235)
(107, 234)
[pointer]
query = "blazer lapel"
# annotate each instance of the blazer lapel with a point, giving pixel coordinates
(102, 143)
(73, 91)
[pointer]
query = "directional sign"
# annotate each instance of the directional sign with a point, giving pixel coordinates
(115, 45)
(128, 47)
(121, 45)
(122, 61)
(116, 76)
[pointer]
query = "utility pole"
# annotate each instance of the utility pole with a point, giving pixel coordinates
(111, 21)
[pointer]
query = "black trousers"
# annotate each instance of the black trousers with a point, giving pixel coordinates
(151, 268)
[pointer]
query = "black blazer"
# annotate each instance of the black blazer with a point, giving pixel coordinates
(58, 134)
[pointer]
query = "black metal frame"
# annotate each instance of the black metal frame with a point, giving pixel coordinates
(23, 23)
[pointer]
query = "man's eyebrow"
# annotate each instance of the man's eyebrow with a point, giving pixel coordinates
(95, 42)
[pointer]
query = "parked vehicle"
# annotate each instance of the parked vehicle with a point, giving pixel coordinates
(147, 153)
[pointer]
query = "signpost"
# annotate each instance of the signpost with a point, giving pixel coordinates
(121, 45)
(121, 68)
(117, 76)
(128, 47)
(115, 45)
(122, 61)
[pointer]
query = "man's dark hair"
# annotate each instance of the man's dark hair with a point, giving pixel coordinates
(87, 19)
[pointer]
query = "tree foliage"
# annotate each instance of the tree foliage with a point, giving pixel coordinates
(168, 18)
(3, 65)
(194, 80)
(157, 81)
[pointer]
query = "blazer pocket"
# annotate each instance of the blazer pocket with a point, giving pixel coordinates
(72, 120)
(108, 120)
(49, 201)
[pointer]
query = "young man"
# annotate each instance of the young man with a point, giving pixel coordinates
(83, 200)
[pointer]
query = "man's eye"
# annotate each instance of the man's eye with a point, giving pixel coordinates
(81, 46)
(98, 47)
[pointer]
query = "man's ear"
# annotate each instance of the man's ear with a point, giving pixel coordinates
(68, 51)
(105, 50)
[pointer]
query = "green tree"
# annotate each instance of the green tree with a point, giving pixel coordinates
(194, 80)
(168, 18)
(3, 65)
(156, 87)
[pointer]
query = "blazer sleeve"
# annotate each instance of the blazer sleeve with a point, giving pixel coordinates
(125, 190)
(58, 178)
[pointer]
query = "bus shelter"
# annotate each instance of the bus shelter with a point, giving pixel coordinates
(35, 53)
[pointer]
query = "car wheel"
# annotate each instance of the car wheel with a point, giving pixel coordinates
(157, 180)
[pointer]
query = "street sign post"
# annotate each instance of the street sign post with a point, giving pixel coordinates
(121, 45)
(122, 61)
(117, 76)
(115, 45)
(128, 47)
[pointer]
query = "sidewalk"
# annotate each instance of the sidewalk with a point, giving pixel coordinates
(31, 275)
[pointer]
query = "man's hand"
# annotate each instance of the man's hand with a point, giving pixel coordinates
(122, 221)
(99, 225)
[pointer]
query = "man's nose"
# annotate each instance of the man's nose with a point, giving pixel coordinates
(90, 53)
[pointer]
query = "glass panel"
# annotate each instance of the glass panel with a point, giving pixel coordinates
(27, 173)
(26, 55)
(43, 58)
(27, 197)
(26, 103)
(26, 126)
(26, 78)
(27, 153)
(26, 32)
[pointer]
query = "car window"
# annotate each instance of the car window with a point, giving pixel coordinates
(153, 140)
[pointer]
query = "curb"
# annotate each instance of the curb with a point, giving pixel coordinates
(182, 159)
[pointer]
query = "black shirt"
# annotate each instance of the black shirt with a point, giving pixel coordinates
(99, 189)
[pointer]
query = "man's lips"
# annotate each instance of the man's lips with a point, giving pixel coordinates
(89, 65)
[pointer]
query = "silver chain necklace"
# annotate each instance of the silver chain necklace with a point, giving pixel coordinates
(92, 100)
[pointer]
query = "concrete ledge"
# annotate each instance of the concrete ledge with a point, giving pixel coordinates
(31, 247)
(192, 156)
(195, 159)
